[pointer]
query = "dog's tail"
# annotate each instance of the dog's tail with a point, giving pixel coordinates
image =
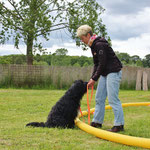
(36, 124)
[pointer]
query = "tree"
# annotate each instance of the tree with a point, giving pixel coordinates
(124, 57)
(76, 65)
(61, 52)
(135, 58)
(59, 60)
(146, 61)
(27, 20)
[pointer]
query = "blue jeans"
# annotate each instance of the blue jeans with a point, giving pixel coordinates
(109, 86)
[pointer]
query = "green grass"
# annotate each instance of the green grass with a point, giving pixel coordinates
(18, 107)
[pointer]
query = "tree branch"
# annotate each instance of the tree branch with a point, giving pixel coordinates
(54, 26)
(51, 30)
(15, 9)
(59, 24)
(12, 24)
(9, 11)
(49, 11)
(41, 4)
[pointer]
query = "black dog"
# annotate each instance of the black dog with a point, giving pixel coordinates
(66, 109)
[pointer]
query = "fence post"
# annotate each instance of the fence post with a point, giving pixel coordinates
(145, 86)
(139, 80)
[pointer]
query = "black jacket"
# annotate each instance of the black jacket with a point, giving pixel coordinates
(104, 58)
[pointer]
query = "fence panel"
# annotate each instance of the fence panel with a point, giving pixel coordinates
(60, 76)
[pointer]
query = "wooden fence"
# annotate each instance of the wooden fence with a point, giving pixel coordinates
(60, 76)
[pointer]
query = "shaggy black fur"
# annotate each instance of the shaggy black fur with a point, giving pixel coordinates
(66, 109)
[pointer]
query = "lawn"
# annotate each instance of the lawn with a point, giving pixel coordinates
(18, 107)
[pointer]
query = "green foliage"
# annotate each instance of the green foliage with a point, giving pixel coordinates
(134, 60)
(5, 60)
(76, 65)
(43, 63)
(13, 59)
(139, 63)
(43, 58)
(60, 58)
(40, 83)
(125, 85)
(124, 57)
(61, 52)
(88, 12)
(29, 19)
(47, 83)
(146, 61)
(6, 82)
(85, 64)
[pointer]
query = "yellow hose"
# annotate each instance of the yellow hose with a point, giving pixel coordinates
(115, 137)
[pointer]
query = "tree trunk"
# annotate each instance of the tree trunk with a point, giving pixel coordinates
(29, 50)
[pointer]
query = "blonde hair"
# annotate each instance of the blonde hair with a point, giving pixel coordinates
(84, 30)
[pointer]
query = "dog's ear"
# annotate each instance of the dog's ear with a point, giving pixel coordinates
(78, 81)
(75, 81)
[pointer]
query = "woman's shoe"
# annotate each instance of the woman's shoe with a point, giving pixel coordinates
(96, 125)
(117, 128)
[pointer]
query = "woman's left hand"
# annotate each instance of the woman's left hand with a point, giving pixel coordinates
(91, 83)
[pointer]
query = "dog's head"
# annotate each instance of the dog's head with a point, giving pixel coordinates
(81, 85)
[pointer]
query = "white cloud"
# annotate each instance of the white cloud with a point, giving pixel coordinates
(10, 49)
(124, 26)
(73, 50)
(134, 46)
(124, 6)
(129, 30)
(127, 23)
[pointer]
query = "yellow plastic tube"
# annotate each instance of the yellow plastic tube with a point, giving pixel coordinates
(115, 137)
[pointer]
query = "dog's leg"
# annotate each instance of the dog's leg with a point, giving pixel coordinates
(71, 125)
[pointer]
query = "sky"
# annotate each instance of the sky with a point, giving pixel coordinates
(127, 23)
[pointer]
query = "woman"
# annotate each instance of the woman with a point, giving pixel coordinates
(108, 67)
